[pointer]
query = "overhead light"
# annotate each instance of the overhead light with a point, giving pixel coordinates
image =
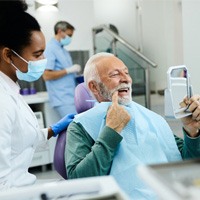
(46, 5)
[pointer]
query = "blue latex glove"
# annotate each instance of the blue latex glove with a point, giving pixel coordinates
(62, 124)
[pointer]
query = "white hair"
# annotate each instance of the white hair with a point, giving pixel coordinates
(90, 70)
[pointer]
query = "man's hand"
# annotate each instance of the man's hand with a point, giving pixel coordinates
(192, 123)
(117, 116)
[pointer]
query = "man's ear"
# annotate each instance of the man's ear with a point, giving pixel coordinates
(94, 88)
(6, 55)
(59, 32)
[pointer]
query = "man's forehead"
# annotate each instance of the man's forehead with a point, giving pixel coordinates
(110, 64)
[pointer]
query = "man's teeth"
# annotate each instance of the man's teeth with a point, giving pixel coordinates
(123, 90)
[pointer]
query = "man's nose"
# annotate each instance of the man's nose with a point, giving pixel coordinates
(125, 78)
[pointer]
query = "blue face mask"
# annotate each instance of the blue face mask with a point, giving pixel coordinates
(35, 69)
(66, 41)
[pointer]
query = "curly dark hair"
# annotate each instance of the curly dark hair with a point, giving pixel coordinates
(16, 24)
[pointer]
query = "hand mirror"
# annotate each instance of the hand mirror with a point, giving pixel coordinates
(178, 87)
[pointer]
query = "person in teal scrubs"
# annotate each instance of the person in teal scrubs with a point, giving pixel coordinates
(60, 72)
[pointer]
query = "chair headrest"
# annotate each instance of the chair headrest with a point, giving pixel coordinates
(83, 99)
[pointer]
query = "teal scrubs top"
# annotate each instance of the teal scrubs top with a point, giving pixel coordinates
(61, 91)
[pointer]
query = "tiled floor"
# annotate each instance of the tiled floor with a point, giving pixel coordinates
(157, 105)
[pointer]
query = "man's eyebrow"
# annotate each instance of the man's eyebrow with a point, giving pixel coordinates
(116, 70)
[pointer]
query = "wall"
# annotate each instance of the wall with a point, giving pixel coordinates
(191, 40)
(162, 36)
(166, 31)
(121, 13)
(77, 12)
(153, 26)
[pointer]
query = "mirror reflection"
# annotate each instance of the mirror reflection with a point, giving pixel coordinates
(175, 73)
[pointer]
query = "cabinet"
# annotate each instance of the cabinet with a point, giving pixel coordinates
(39, 103)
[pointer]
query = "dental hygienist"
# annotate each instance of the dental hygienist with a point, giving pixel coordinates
(60, 73)
(21, 57)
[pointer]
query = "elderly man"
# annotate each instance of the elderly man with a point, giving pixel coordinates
(117, 135)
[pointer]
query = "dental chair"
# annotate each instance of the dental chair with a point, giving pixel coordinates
(83, 101)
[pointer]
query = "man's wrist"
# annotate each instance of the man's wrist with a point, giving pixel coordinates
(194, 132)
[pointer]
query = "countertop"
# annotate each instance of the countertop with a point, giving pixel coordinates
(39, 97)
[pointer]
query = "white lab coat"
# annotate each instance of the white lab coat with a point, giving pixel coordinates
(19, 136)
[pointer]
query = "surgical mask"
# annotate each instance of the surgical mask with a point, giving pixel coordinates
(66, 41)
(35, 69)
